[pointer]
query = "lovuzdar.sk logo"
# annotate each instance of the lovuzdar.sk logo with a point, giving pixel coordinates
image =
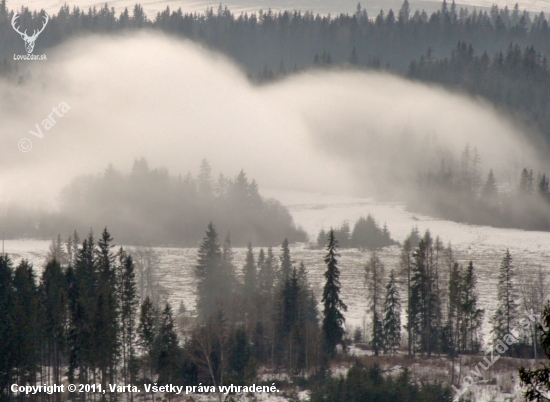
(29, 39)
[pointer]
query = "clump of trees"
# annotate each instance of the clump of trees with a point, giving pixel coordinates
(150, 206)
(366, 233)
(364, 383)
(458, 191)
(82, 318)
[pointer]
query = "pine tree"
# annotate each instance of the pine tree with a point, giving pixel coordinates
(207, 272)
(106, 314)
(490, 188)
(405, 265)
(473, 316)
(392, 316)
(286, 262)
(54, 298)
(83, 291)
(333, 319)
(505, 316)
(25, 321)
(374, 276)
(147, 333)
(129, 303)
(291, 323)
(166, 347)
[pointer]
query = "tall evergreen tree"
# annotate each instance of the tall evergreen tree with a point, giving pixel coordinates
(147, 333)
(333, 306)
(473, 316)
(166, 346)
(26, 325)
(374, 276)
(129, 303)
(392, 316)
(106, 314)
(405, 264)
(54, 298)
(506, 314)
(286, 262)
(490, 187)
(207, 271)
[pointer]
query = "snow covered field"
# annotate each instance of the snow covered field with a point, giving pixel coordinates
(482, 244)
(325, 7)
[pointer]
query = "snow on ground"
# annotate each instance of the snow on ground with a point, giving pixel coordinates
(323, 7)
(482, 244)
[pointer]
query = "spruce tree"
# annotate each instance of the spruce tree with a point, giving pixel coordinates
(286, 262)
(25, 321)
(147, 332)
(207, 272)
(106, 314)
(333, 319)
(392, 316)
(490, 187)
(473, 316)
(506, 314)
(54, 298)
(166, 347)
(374, 276)
(129, 303)
(405, 265)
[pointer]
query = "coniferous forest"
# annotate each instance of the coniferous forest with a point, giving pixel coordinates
(149, 206)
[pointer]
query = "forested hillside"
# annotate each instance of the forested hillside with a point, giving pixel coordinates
(149, 206)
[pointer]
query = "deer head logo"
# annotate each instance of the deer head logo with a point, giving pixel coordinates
(29, 40)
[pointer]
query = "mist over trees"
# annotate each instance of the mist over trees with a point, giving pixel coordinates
(149, 206)
(501, 53)
(458, 190)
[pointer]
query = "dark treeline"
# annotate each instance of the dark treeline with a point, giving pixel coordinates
(460, 192)
(149, 206)
(293, 38)
(366, 233)
(85, 319)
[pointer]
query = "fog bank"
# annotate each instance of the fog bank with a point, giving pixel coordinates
(174, 103)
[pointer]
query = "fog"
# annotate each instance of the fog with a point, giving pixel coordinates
(174, 103)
